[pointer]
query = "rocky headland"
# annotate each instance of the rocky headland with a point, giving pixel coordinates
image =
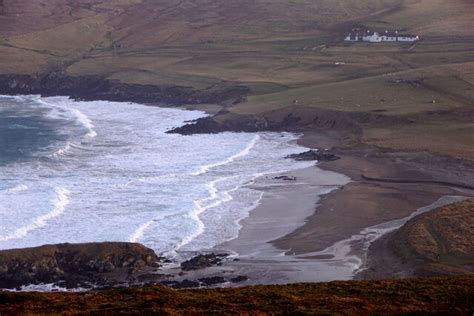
(76, 265)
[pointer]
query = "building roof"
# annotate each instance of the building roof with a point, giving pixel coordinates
(386, 33)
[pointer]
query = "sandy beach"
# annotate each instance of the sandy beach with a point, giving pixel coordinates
(311, 224)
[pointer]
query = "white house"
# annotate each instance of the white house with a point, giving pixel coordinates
(375, 37)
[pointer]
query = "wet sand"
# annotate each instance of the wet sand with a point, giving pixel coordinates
(285, 206)
(310, 230)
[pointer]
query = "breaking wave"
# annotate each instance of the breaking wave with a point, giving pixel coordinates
(60, 203)
(244, 152)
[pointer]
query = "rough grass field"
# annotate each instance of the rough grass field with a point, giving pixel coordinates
(286, 53)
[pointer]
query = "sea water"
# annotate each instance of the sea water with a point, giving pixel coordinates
(108, 171)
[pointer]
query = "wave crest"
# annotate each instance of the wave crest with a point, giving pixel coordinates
(244, 152)
(60, 204)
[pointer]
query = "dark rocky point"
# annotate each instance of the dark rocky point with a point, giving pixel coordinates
(202, 261)
(285, 178)
(212, 280)
(74, 265)
(314, 154)
(238, 279)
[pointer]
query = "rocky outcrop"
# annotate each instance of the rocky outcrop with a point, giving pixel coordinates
(204, 282)
(92, 88)
(291, 118)
(314, 154)
(74, 265)
(202, 261)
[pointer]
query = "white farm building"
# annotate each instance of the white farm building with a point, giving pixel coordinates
(375, 37)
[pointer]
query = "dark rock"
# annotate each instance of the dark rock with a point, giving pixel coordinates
(149, 277)
(185, 284)
(285, 178)
(238, 279)
(91, 88)
(202, 261)
(291, 118)
(212, 280)
(73, 265)
(319, 155)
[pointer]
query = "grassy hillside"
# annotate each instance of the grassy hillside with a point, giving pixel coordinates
(284, 51)
(436, 243)
(442, 238)
(446, 296)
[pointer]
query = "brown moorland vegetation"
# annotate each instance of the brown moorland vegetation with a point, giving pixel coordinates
(447, 296)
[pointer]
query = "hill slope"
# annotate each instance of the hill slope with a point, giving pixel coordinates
(436, 243)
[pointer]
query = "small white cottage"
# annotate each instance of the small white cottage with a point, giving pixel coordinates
(375, 37)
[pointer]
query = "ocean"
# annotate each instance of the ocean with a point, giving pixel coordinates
(108, 171)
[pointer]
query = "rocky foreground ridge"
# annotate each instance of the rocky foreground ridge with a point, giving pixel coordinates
(439, 296)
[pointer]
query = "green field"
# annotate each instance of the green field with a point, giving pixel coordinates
(286, 52)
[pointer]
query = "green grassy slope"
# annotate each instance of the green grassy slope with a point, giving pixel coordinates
(285, 51)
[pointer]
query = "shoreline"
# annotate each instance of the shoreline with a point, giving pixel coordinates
(324, 233)
(372, 202)
(285, 206)
(298, 250)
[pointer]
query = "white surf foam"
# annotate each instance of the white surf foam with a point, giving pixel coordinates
(60, 203)
(17, 189)
(216, 198)
(66, 150)
(244, 152)
(48, 287)
(138, 234)
(83, 119)
(135, 182)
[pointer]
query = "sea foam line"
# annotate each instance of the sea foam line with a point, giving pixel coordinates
(140, 232)
(200, 207)
(16, 189)
(242, 153)
(84, 120)
(80, 117)
(60, 204)
(66, 149)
